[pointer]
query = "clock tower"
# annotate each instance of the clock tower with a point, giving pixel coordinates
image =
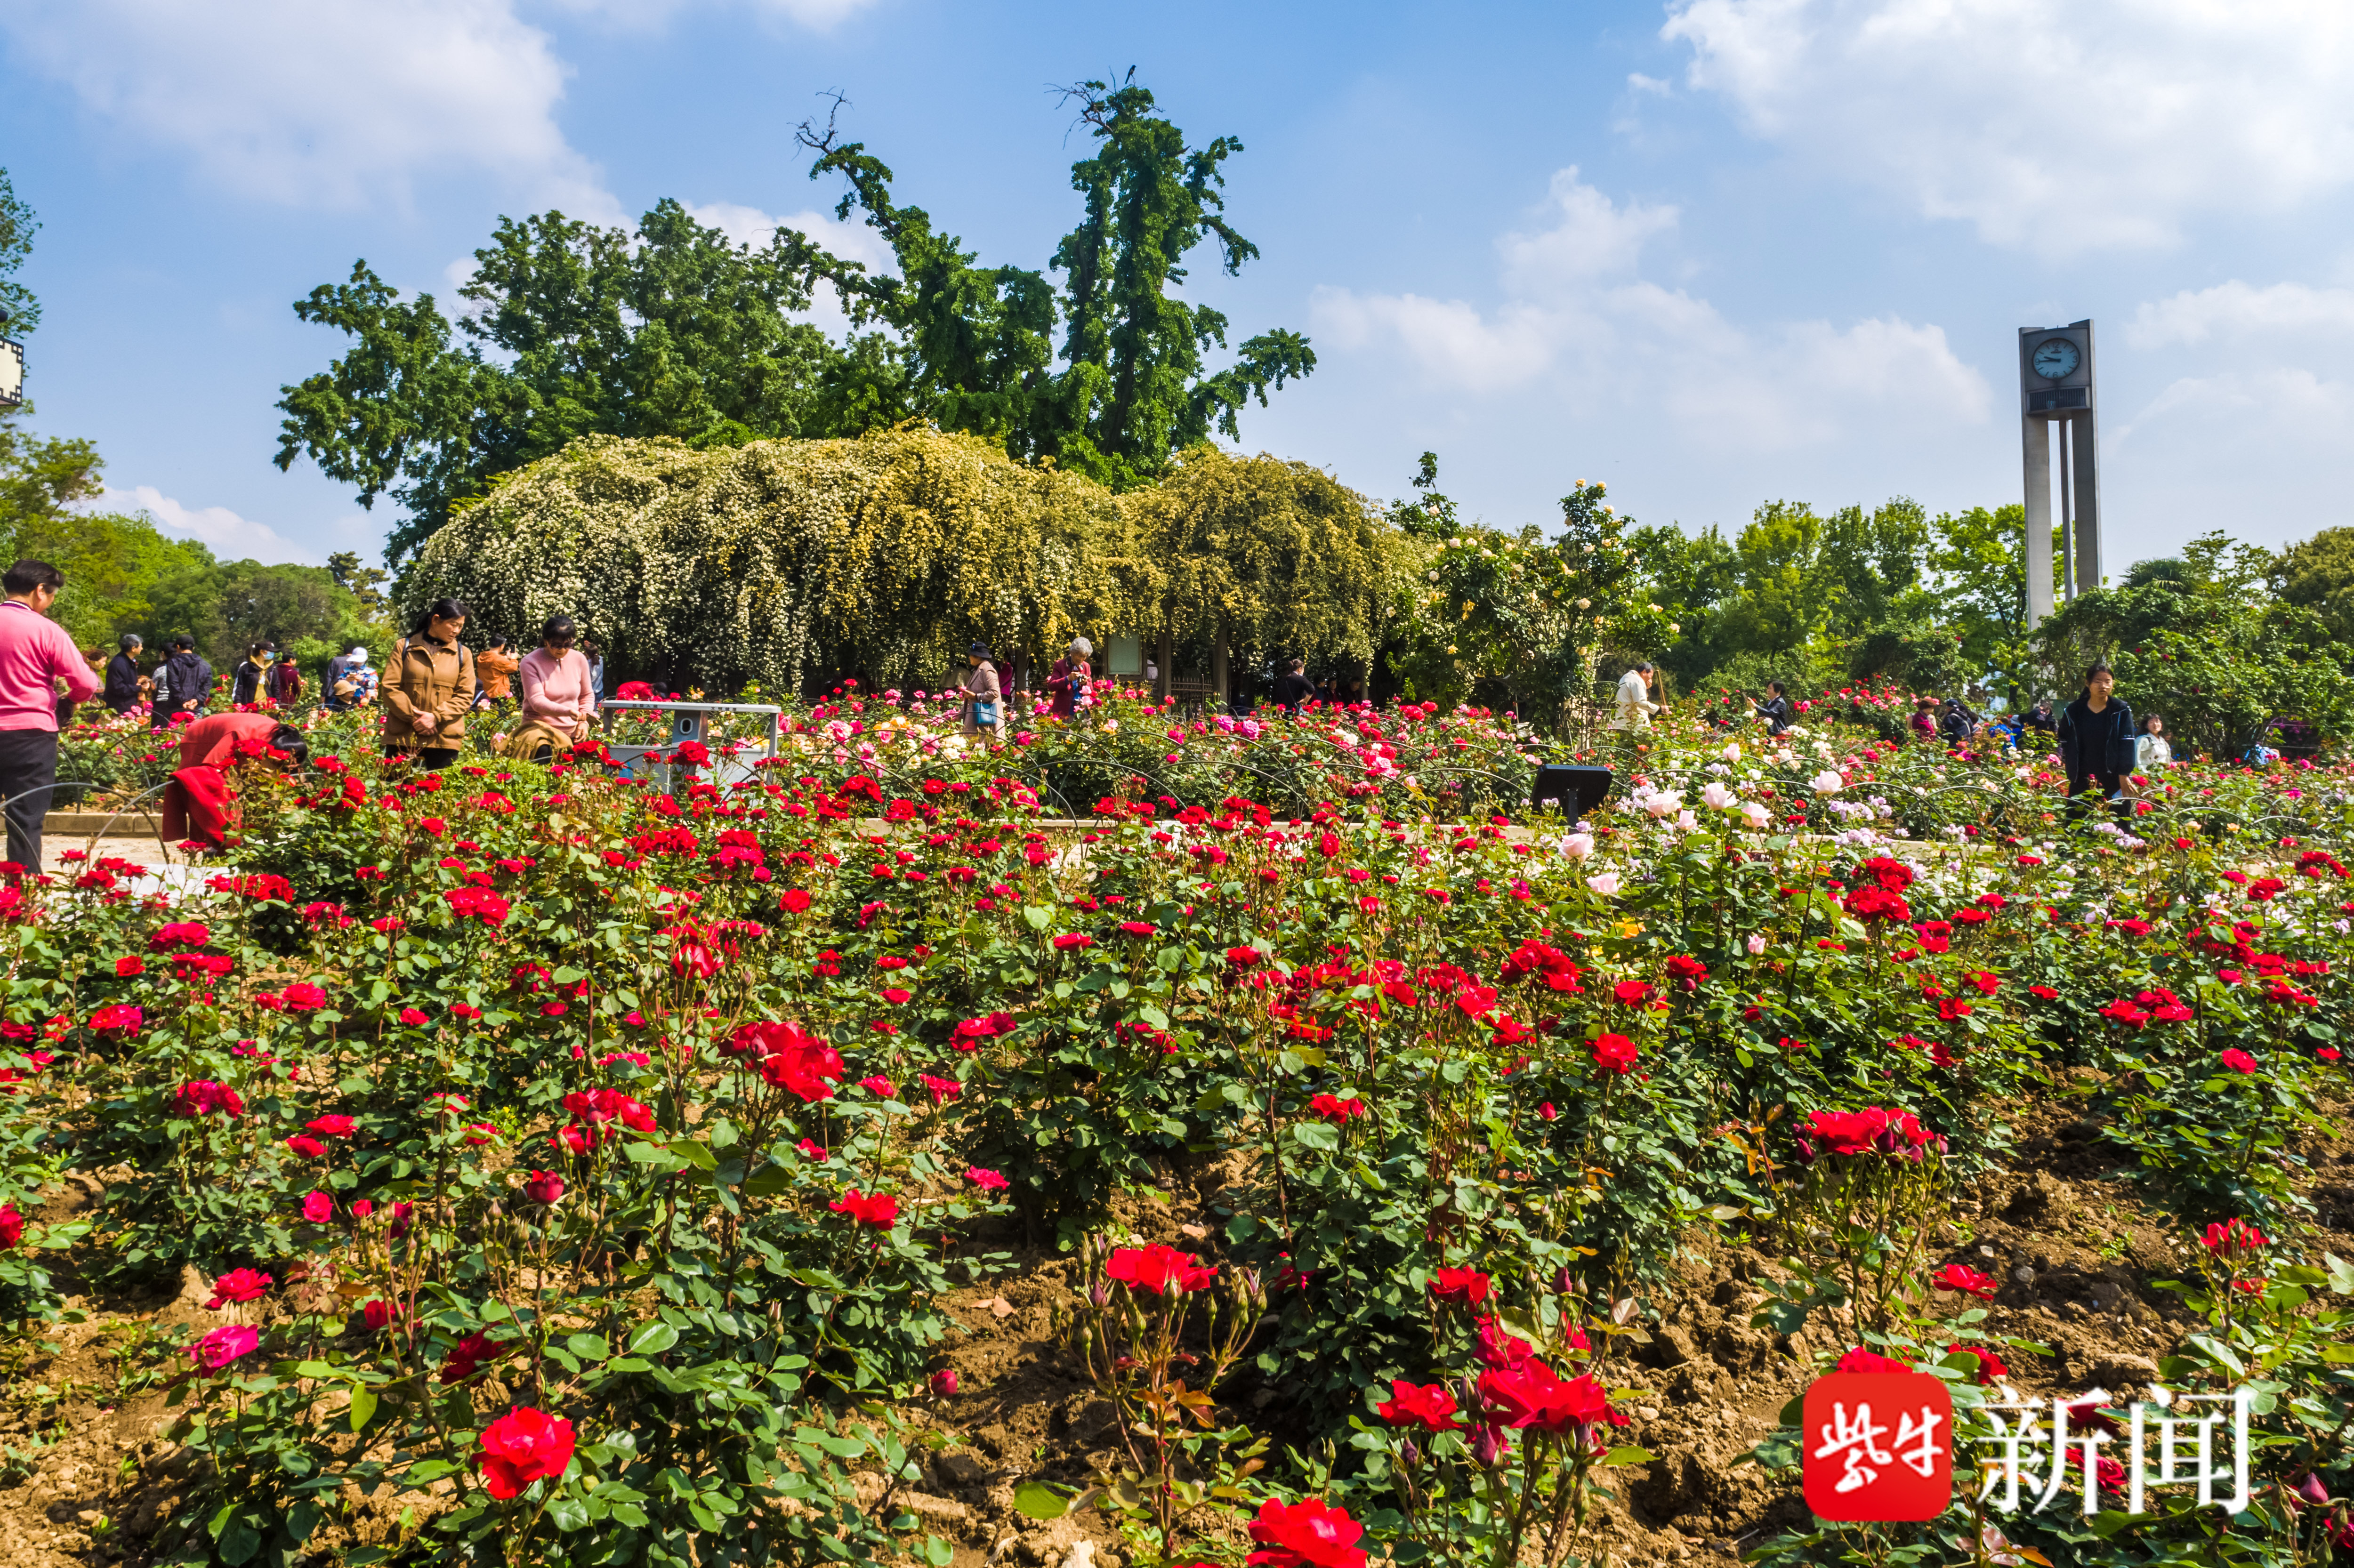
(2056, 408)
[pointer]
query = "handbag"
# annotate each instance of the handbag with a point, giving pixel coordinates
(984, 715)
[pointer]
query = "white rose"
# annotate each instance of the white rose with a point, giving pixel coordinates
(1605, 884)
(1716, 797)
(1577, 847)
(1827, 782)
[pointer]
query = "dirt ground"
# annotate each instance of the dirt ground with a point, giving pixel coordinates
(86, 1478)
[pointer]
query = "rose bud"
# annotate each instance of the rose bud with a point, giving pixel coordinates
(944, 1383)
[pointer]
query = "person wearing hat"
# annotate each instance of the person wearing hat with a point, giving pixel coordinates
(351, 682)
(984, 699)
(1070, 676)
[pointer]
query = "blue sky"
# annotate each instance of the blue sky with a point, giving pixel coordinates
(1714, 251)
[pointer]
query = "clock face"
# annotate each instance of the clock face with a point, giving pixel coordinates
(2055, 357)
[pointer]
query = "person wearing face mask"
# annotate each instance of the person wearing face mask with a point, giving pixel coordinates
(247, 686)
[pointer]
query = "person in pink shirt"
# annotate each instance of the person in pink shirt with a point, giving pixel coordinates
(35, 655)
(558, 692)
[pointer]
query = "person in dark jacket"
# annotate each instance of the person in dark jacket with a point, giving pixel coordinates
(245, 686)
(122, 677)
(1775, 709)
(2039, 718)
(1293, 689)
(184, 684)
(2097, 743)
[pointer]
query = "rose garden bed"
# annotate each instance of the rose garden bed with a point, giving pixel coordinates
(524, 1165)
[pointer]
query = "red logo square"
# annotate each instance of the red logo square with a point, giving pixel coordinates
(1877, 1445)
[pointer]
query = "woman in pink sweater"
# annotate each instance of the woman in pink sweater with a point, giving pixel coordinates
(557, 691)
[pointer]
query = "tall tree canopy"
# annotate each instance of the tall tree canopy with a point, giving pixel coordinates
(673, 330)
(1135, 390)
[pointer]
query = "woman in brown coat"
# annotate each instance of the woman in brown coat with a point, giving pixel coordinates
(429, 690)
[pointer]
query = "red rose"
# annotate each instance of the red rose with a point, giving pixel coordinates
(1465, 1287)
(1965, 1280)
(1305, 1535)
(1615, 1051)
(1532, 1394)
(1862, 1361)
(543, 1187)
(1337, 1111)
(1989, 1365)
(522, 1447)
(1430, 1407)
(880, 1210)
(1158, 1270)
(2239, 1061)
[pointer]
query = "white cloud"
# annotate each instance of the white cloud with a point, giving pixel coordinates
(1584, 328)
(854, 241)
(2057, 127)
(1449, 339)
(2235, 310)
(1590, 238)
(220, 530)
(335, 103)
(818, 15)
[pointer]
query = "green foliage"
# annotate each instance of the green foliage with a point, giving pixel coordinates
(2317, 574)
(978, 341)
(16, 229)
(671, 331)
(2198, 641)
(40, 478)
(794, 563)
(666, 330)
(1394, 1040)
(1520, 621)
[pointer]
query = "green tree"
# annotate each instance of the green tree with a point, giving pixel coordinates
(40, 478)
(668, 330)
(113, 562)
(2317, 574)
(363, 583)
(1522, 621)
(2199, 639)
(1136, 391)
(16, 226)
